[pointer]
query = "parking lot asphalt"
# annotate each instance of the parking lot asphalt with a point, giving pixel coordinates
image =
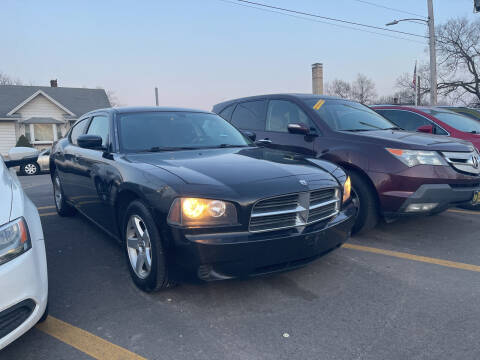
(387, 295)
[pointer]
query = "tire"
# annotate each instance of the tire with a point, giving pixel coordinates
(30, 169)
(44, 316)
(63, 208)
(145, 255)
(364, 198)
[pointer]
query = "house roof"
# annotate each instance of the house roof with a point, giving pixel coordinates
(77, 100)
(41, 120)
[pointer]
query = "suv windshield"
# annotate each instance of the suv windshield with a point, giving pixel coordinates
(457, 121)
(344, 115)
(169, 131)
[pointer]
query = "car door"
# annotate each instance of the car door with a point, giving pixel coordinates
(281, 113)
(66, 160)
(250, 115)
(95, 175)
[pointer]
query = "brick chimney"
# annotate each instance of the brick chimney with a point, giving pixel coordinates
(317, 79)
(54, 83)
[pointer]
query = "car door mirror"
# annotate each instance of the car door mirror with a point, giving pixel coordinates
(88, 141)
(298, 128)
(21, 155)
(426, 129)
(250, 134)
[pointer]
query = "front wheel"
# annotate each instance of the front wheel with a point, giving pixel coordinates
(363, 197)
(144, 249)
(30, 169)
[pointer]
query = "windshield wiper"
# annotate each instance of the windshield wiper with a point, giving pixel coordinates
(371, 125)
(159, 149)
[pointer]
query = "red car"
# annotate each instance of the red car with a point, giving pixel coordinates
(434, 120)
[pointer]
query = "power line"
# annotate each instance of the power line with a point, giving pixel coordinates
(320, 21)
(329, 18)
(389, 8)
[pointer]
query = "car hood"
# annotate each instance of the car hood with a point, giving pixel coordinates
(414, 140)
(234, 165)
(6, 194)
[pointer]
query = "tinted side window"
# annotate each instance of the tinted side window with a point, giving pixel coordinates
(410, 121)
(227, 112)
(78, 130)
(280, 113)
(99, 126)
(250, 115)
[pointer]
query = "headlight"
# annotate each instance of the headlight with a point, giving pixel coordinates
(417, 157)
(347, 189)
(14, 240)
(191, 212)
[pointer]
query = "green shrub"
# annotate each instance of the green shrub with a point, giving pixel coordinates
(23, 141)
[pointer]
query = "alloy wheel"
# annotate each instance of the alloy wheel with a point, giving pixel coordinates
(30, 169)
(139, 246)
(57, 192)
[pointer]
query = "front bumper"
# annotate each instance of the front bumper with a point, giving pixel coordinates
(242, 254)
(24, 293)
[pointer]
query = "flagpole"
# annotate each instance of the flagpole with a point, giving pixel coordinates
(415, 83)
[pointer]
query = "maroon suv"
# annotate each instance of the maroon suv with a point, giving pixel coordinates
(393, 172)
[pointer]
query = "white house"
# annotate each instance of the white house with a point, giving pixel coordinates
(43, 114)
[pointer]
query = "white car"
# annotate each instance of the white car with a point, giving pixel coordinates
(23, 263)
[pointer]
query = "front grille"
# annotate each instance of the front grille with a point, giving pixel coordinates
(300, 209)
(464, 162)
(15, 316)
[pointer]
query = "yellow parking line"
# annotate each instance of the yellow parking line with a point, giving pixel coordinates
(402, 255)
(86, 342)
(465, 212)
(45, 207)
(48, 214)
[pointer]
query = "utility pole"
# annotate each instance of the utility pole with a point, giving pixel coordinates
(156, 96)
(433, 54)
(419, 96)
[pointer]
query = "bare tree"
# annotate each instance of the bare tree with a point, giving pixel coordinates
(7, 80)
(363, 90)
(458, 44)
(339, 88)
(112, 98)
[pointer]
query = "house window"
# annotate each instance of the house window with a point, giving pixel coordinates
(59, 132)
(27, 133)
(43, 132)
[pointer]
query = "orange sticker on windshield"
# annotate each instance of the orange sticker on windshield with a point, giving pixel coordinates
(319, 104)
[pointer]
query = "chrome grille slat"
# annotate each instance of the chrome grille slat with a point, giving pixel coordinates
(467, 162)
(292, 210)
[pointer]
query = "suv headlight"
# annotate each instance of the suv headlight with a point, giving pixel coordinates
(14, 240)
(417, 157)
(193, 212)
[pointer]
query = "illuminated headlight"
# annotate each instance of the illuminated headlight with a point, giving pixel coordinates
(14, 240)
(347, 189)
(193, 212)
(417, 157)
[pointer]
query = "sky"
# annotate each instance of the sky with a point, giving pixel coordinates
(201, 52)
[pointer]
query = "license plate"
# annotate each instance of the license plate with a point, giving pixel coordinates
(476, 197)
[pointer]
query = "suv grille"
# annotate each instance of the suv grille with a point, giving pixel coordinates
(465, 162)
(293, 210)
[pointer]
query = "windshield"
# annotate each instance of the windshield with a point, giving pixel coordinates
(344, 115)
(162, 131)
(457, 121)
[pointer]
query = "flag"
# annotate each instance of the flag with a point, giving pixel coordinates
(414, 83)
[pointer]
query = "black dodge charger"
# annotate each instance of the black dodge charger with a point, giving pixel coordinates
(191, 197)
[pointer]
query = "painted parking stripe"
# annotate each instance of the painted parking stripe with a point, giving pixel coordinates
(464, 212)
(45, 207)
(48, 214)
(86, 342)
(424, 259)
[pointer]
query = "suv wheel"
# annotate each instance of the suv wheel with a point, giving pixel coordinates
(364, 199)
(144, 249)
(63, 208)
(30, 169)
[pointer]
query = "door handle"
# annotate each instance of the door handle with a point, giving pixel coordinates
(264, 141)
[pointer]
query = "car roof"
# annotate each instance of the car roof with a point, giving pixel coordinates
(136, 109)
(413, 107)
(224, 104)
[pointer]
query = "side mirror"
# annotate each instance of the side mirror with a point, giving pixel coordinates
(250, 134)
(426, 129)
(88, 141)
(21, 155)
(298, 128)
